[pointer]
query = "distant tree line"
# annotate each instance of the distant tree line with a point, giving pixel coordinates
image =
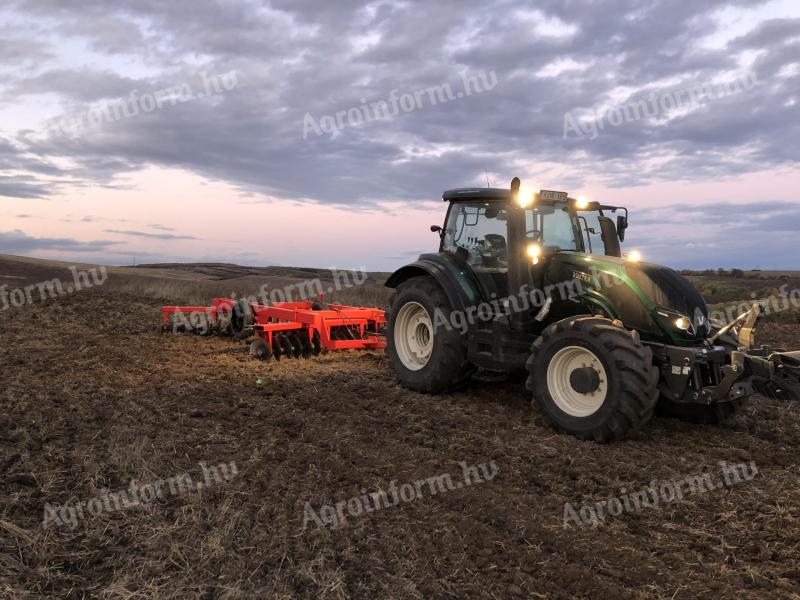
(735, 273)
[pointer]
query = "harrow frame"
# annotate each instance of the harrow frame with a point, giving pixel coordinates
(282, 324)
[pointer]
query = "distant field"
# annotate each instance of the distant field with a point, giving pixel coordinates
(196, 283)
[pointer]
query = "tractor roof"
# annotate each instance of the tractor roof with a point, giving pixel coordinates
(476, 193)
(498, 195)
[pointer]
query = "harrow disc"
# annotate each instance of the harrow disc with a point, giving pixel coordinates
(297, 345)
(175, 325)
(286, 346)
(261, 350)
(307, 349)
(201, 324)
(316, 344)
(277, 352)
(223, 323)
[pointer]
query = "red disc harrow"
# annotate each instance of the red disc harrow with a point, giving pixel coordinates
(283, 329)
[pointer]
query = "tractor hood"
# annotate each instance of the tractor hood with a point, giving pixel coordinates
(669, 289)
(647, 297)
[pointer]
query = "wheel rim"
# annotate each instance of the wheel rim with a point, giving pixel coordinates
(560, 381)
(413, 336)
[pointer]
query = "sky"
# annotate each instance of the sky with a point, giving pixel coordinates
(319, 133)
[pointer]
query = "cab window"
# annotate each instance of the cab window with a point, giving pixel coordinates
(551, 226)
(592, 234)
(478, 232)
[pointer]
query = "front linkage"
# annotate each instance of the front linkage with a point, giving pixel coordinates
(727, 368)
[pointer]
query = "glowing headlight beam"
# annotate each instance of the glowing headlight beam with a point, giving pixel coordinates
(581, 203)
(634, 256)
(535, 252)
(525, 197)
(683, 324)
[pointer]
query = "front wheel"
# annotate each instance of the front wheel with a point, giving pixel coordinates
(592, 379)
(425, 354)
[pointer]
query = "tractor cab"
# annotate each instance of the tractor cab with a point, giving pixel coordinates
(495, 231)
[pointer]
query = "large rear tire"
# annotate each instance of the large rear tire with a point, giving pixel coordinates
(592, 379)
(425, 357)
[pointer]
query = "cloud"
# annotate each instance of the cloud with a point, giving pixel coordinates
(18, 242)
(22, 187)
(16, 50)
(252, 136)
(147, 234)
(82, 85)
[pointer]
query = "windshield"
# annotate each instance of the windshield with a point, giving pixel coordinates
(552, 226)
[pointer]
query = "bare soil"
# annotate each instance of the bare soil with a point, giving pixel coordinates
(93, 396)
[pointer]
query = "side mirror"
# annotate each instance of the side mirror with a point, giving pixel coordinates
(622, 225)
(436, 229)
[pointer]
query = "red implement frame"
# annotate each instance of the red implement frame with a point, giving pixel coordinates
(335, 327)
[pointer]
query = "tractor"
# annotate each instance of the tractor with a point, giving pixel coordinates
(538, 282)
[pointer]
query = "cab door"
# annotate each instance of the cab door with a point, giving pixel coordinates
(477, 234)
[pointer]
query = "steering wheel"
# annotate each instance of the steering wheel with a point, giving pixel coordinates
(493, 250)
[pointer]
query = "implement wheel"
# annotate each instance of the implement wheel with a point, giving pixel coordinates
(592, 379)
(423, 357)
(242, 319)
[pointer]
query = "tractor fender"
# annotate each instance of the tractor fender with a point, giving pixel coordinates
(600, 304)
(455, 279)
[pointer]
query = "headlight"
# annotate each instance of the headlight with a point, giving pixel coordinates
(535, 251)
(683, 324)
(525, 197)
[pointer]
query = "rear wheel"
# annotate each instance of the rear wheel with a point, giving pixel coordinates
(425, 357)
(592, 379)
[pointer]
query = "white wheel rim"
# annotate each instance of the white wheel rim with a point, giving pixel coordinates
(569, 400)
(413, 336)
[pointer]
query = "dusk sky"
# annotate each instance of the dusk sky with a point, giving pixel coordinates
(321, 133)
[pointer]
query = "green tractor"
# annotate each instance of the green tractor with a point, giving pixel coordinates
(537, 282)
